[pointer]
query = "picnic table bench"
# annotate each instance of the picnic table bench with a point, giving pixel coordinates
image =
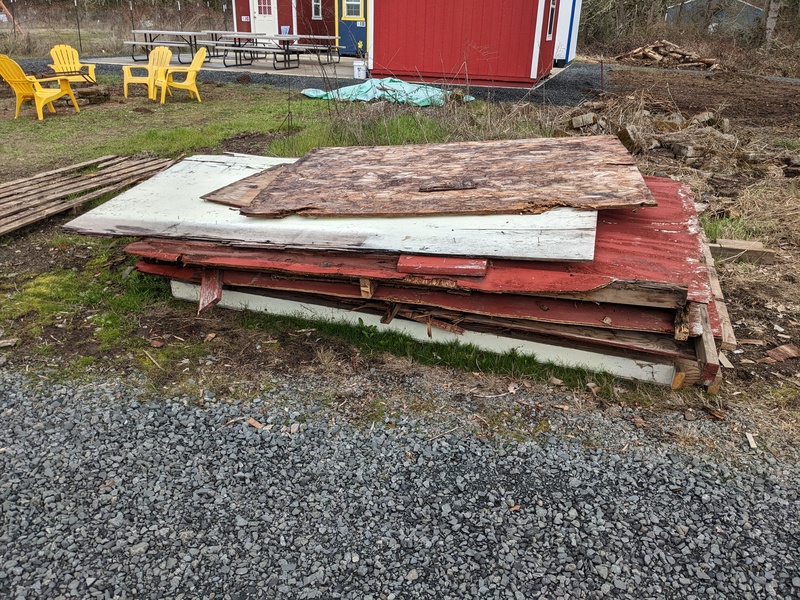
(179, 40)
(246, 47)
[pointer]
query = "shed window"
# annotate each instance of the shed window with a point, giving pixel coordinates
(353, 9)
(551, 20)
(265, 7)
(316, 9)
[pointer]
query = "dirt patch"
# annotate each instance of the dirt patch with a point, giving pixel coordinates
(250, 143)
(741, 174)
(756, 101)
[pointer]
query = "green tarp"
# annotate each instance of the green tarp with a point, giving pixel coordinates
(389, 89)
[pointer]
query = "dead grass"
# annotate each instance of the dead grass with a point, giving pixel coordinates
(772, 206)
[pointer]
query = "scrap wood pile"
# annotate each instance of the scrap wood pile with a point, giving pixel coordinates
(666, 54)
(29, 200)
(556, 247)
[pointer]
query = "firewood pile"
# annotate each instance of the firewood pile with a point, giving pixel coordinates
(667, 54)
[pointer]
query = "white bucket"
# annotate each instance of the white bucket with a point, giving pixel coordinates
(359, 69)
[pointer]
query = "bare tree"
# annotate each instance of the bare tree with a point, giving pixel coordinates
(773, 12)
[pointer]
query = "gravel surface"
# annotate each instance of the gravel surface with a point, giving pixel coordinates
(107, 492)
(577, 82)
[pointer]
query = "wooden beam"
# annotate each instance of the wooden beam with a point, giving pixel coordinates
(706, 350)
(727, 335)
(744, 250)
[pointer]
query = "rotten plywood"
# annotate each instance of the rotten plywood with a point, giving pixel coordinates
(241, 193)
(496, 177)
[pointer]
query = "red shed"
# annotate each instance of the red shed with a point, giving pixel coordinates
(309, 17)
(476, 41)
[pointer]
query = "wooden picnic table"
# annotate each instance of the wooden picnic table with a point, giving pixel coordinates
(164, 37)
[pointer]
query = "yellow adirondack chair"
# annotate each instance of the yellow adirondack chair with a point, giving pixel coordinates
(159, 59)
(165, 80)
(66, 60)
(27, 87)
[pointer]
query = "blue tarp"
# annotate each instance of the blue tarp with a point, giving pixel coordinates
(389, 89)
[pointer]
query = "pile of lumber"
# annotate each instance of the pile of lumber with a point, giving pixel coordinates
(665, 53)
(447, 242)
(27, 201)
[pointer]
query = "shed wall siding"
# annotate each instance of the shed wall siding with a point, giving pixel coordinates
(473, 40)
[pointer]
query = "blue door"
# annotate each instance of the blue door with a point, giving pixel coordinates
(352, 26)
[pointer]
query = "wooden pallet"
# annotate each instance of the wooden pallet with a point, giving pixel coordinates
(32, 199)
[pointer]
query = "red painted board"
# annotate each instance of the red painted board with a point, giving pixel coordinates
(442, 265)
(512, 306)
(210, 289)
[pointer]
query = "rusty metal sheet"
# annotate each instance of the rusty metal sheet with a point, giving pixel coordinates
(528, 176)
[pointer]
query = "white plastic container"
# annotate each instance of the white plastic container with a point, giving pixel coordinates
(359, 69)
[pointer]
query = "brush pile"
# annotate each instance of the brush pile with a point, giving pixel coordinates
(666, 54)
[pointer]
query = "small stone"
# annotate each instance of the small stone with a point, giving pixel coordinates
(139, 549)
(412, 575)
(684, 151)
(584, 120)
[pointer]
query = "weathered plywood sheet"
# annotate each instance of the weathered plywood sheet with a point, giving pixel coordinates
(496, 177)
(170, 205)
(243, 192)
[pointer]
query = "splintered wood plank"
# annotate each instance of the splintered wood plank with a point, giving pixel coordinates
(726, 334)
(210, 289)
(243, 192)
(495, 177)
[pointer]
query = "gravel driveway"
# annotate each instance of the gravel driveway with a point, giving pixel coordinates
(109, 493)
(576, 83)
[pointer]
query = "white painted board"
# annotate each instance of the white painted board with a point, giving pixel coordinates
(569, 17)
(169, 205)
(640, 370)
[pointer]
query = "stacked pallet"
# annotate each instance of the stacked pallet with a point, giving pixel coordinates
(447, 242)
(27, 201)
